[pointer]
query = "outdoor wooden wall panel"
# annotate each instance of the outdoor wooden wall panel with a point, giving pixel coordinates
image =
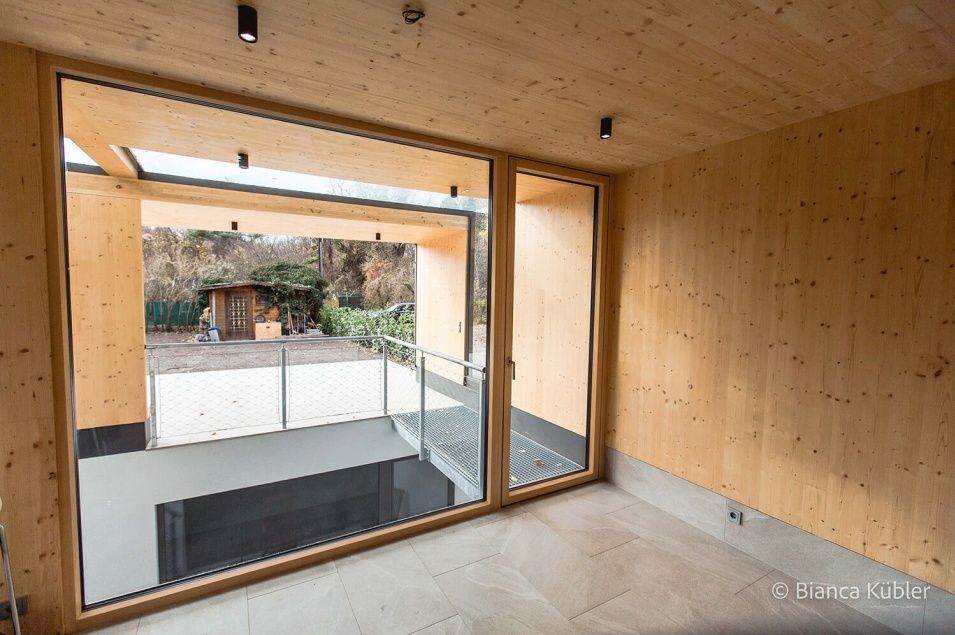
(441, 301)
(219, 311)
(783, 325)
(553, 245)
(28, 476)
(106, 305)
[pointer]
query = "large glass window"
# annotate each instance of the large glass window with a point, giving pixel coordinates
(270, 358)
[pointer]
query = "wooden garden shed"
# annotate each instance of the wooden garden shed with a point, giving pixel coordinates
(245, 310)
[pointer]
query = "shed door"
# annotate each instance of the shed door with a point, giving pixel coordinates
(238, 315)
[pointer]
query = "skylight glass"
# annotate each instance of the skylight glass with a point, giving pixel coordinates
(222, 172)
(74, 154)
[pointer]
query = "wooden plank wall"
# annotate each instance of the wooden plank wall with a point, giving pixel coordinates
(28, 477)
(441, 301)
(553, 244)
(783, 325)
(106, 305)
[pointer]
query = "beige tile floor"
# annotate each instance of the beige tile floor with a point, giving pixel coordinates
(591, 560)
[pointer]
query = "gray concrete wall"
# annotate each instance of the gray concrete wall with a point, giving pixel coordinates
(118, 493)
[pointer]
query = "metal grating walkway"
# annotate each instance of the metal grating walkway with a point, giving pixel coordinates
(451, 437)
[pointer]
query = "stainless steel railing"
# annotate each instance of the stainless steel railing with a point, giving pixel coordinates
(228, 386)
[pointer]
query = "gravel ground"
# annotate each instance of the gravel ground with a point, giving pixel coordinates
(195, 356)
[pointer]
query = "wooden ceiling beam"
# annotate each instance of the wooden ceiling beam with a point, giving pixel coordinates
(257, 202)
(113, 159)
(219, 219)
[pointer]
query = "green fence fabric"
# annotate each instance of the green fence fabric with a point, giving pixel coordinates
(166, 315)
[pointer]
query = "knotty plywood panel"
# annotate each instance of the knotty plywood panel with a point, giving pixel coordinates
(530, 77)
(28, 475)
(553, 246)
(783, 326)
(441, 307)
(106, 304)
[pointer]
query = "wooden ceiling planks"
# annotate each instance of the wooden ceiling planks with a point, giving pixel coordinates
(96, 114)
(530, 77)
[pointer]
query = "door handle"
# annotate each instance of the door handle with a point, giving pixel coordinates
(513, 365)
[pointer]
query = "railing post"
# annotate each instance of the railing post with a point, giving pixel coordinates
(153, 409)
(482, 436)
(384, 376)
(283, 362)
(422, 450)
(8, 577)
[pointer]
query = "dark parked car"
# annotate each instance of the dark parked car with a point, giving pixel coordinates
(394, 312)
(400, 309)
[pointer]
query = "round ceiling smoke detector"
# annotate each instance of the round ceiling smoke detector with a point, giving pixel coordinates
(411, 16)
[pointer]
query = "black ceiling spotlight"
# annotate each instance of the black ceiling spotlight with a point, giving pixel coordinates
(606, 127)
(243, 161)
(454, 191)
(248, 24)
(412, 15)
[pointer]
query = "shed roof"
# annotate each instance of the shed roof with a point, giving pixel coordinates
(249, 283)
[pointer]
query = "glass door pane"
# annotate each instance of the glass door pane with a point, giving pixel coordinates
(552, 328)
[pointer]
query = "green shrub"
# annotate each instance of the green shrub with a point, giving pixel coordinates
(345, 322)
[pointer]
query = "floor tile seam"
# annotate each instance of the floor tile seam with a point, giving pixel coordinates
(456, 614)
(510, 563)
(667, 616)
(723, 542)
(707, 572)
(318, 577)
(468, 564)
(594, 608)
(248, 610)
(348, 599)
(447, 599)
(764, 576)
(559, 537)
(584, 553)
(626, 507)
(494, 522)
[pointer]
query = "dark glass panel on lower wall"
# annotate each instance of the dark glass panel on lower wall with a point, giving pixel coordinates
(107, 440)
(206, 533)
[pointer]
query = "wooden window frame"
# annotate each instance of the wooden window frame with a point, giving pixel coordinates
(49, 69)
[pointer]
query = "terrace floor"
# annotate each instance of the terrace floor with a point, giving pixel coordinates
(591, 560)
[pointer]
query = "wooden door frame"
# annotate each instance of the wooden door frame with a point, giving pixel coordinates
(595, 450)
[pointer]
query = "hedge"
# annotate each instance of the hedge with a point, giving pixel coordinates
(345, 322)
